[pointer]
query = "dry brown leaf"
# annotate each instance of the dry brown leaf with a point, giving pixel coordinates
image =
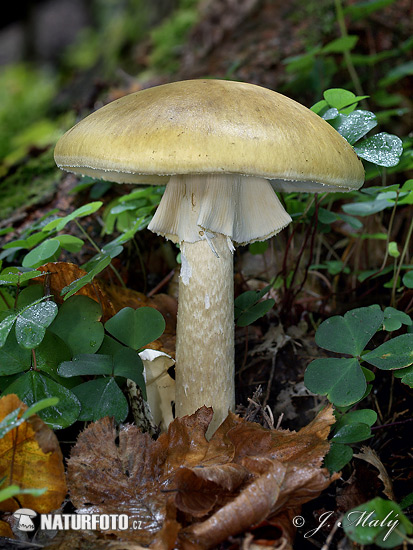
(30, 457)
(61, 274)
(369, 455)
(190, 493)
(5, 530)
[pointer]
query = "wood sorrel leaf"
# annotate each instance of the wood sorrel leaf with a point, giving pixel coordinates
(350, 334)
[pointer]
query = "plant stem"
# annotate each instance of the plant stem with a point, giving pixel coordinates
(95, 246)
(402, 255)
(346, 53)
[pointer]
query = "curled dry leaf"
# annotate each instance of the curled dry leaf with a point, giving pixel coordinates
(190, 493)
(370, 456)
(30, 457)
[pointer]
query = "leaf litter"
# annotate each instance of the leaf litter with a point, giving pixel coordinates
(190, 493)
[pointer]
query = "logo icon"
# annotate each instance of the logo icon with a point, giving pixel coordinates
(24, 516)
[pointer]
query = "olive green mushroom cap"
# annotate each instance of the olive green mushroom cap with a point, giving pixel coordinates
(210, 127)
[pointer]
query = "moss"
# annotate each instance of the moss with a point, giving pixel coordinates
(171, 34)
(28, 184)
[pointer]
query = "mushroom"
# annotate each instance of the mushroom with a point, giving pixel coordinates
(24, 516)
(218, 144)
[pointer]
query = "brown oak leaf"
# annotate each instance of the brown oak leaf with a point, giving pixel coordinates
(190, 493)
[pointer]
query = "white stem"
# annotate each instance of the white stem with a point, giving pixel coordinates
(205, 330)
(205, 214)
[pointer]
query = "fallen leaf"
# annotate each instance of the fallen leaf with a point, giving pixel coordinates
(369, 455)
(190, 493)
(30, 457)
(5, 530)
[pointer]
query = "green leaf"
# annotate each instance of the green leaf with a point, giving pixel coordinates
(40, 405)
(76, 285)
(128, 364)
(255, 312)
(33, 386)
(51, 352)
(31, 323)
(258, 247)
(17, 277)
(343, 100)
(370, 376)
(14, 490)
(362, 9)
(394, 319)
(84, 210)
(393, 250)
(393, 354)
(338, 456)
(408, 279)
(396, 74)
(87, 364)
(30, 295)
(355, 125)
(5, 327)
(45, 252)
(340, 45)
(382, 149)
(406, 375)
(379, 522)
(77, 324)
(136, 328)
(101, 397)
(367, 208)
(244, 301)
(342, 380)
(365, 416)
(352, 433)
(70, 243)
(13, 358)
(350, 334)
(407, 501)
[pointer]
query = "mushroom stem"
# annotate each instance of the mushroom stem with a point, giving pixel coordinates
(205, 330)
(206, 214)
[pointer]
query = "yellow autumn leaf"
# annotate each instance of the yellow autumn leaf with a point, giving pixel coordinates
(30, 457)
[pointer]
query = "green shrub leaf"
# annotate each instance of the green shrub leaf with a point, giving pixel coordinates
(31, 324)
(352, 433)
(342, 380)
(376, 529)
(382, 149)
(34, 386)
(350, 334)
(394, 319)
(77, 324)
(338, 456)
(354, 125)
(101, 397)
(136, 327)
(45, 252)
(13, 358)
(393, 354)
